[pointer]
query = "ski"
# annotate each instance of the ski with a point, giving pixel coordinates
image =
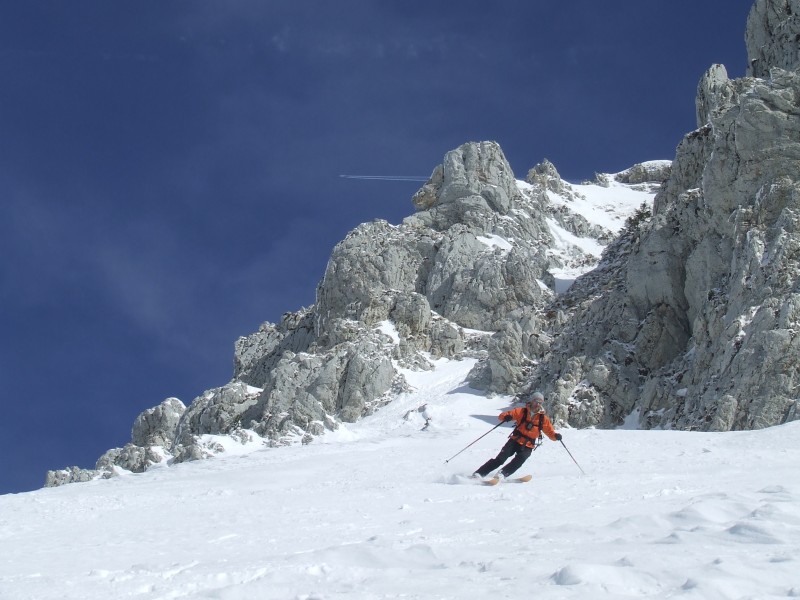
(496, 480)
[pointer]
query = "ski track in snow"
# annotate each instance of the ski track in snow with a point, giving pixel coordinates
(373, 511)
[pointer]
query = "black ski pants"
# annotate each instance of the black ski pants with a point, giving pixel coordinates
(520, 451)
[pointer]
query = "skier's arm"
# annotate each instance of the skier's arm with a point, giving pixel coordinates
(510, 415)
(547, 427)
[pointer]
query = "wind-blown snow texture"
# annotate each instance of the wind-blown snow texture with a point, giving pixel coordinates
(373, 511)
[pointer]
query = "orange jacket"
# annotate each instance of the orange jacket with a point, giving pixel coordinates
(524, 417)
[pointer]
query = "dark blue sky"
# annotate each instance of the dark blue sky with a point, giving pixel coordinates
(169, 170)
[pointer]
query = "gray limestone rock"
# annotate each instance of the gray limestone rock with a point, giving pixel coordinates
(156, 426)
(217, 411)
(690, 319)
(506, 358)
(475, 170)
(71, 475)
(773, 27)
(545, 176)
(474, 186)
(136, 459)
(714, 92)
(654, 171)
(365, 273)
(256, 354)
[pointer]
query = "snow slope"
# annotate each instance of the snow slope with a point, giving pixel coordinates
(606, 206)
(374, 511)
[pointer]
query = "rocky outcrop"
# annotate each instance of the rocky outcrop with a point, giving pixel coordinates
(218, 411)
(257, 354)
(773, 28)
(653, 172)
(715, 92)
(70, 475)
(472, 256)
(546, 178)
(695, 326)
(153, 433)
(156, 426)
(472, 179)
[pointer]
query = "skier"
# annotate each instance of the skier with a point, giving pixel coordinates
(531, 424)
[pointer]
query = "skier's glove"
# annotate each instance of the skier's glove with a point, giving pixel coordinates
(507, 418)
(558, 437)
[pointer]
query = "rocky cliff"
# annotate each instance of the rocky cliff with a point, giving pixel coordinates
(692, 320)
(688, 320)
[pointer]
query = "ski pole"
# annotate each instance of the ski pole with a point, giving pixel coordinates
(572, 457)
(470, 444)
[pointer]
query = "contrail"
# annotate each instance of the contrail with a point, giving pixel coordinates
(386, 177)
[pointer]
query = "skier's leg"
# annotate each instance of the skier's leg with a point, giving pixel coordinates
(493, 463)
(523, 452)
